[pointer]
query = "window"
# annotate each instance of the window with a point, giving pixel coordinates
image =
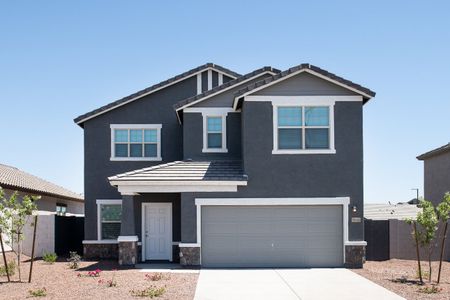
(214, 132)
(136, 142)
(109, 219)
(61, 209)
(303, 129)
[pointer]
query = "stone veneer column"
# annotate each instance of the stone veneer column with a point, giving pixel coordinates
(189, 255)
(355, 255)
(128, 248)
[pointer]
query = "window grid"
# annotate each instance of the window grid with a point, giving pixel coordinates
(145, 137)
(303, 125)
(214, 131)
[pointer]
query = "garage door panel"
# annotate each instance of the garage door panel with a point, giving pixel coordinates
(272, 236)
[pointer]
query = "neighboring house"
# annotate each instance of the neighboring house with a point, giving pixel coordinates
(54, 200)
(436, 173)
(226, 170)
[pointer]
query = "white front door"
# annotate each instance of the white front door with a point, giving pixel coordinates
(157, 231)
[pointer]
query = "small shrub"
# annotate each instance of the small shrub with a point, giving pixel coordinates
(430, 289)
(95, 273)
(425, 274)
(50, 257)
(74, 260)
(155, 276)
(11, 269)
(38, 292)
(150, 292)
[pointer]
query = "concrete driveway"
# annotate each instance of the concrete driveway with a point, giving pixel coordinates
(278, 284)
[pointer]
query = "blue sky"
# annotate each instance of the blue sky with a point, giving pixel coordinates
(60, 59)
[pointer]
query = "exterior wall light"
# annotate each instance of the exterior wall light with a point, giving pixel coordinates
(354, 208)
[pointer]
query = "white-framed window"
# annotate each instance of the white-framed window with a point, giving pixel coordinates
(61, 209)
(109, 216)
(303, 129)
(215, 131)
(136, 142)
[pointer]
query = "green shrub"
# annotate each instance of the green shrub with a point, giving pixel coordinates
(430, 290)
(50, 257)
(150, 292)
(11, 269)
(38, 292)
(74, 260)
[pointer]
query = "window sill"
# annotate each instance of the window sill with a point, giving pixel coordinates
(100, 242)
(136, 159)
(303, 151)
(215, 150)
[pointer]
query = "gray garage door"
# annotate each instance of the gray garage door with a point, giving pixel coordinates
(272, 236)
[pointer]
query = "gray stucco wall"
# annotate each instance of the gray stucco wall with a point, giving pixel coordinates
(155, 108)
(324, 175)
(193, 132)
(305, 84)
(437, 177)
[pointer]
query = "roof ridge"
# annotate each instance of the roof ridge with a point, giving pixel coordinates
(80, 119)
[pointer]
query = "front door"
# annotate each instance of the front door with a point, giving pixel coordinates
(157, 231)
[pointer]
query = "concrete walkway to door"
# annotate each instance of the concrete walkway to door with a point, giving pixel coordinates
(287, 284)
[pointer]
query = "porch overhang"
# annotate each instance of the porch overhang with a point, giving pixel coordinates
(182, 176)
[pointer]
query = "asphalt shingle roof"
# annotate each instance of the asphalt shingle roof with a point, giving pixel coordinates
(223, 170)
(301, 67)
(111, 105)
(13, 178)
(434, 152)
(219, 88)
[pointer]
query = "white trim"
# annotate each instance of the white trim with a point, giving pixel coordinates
(178, 182)
(225, 89)
(303, 102)
(215, 113)
(344, 201)
(220, 79)
(210, 110)
(309, 100)
(190, 245)
(127, 238)
(177, 189)
(89, 242)
(355, 243)
(156, 127)
(199, 83)
(143, 219)
(294, 74)
(150, 92)
(100, 202)
(209, 79)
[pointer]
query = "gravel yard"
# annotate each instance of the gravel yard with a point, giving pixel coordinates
(399, 276)
(61, 282)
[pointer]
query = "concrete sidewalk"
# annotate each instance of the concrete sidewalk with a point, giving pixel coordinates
(293, 284)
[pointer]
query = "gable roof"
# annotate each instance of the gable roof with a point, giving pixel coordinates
(365, 92)
(222, 88)
(434, 152)
(13, 178)
(163, 84)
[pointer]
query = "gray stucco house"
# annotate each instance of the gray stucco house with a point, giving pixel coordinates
(436, 173)
(219, 169)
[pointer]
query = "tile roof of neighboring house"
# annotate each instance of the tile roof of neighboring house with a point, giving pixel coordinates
(434, 152)
(365, 91)
(79, 120)
(15, 179)
(223, 87)
(387, 211)
(224, 170)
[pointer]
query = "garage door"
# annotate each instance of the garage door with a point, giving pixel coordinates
(272, 236)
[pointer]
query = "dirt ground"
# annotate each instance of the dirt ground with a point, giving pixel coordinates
(400, 276)
(61, 282)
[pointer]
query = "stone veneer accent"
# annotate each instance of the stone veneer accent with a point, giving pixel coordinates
(190, 256)
(355, 256)
(128, 253)
(102, 251)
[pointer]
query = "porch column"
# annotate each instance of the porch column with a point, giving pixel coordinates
(128, 239)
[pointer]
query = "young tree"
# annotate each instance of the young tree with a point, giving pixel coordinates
(3, 228)
(424, 230)
(443, 210)
(18, 212)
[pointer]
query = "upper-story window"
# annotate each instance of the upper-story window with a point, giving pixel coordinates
(214, 132)
(303, 129)
(136, 142)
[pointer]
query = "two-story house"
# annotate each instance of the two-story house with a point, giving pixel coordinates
(219, 169)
